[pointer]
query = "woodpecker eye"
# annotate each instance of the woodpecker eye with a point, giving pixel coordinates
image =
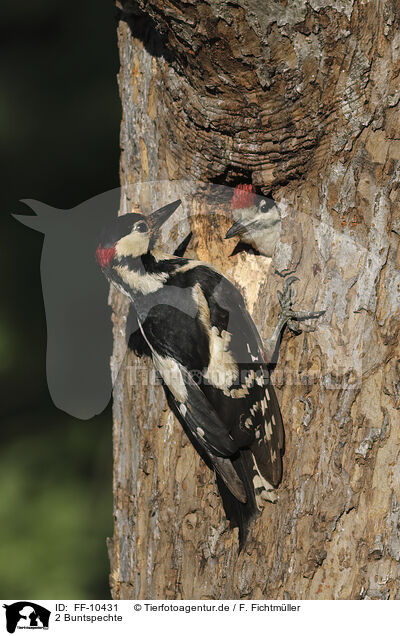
(263, 206)
(141, 227)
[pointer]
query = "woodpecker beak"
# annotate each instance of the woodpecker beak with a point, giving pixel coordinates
(237, 228)
(158, 218)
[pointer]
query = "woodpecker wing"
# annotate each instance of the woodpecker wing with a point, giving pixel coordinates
(203, 421)
(221, 465)
(220, 324)
(175, 360)
(259, 402)
(263, 406)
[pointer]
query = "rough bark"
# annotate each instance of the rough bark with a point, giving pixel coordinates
(301, 99)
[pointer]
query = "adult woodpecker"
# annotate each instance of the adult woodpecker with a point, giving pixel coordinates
(194, 324)
(256, 221)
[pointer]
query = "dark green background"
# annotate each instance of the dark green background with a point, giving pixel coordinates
(59, 122)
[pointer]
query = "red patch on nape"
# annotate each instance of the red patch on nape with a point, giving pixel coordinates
(244, 196)
(105, 255)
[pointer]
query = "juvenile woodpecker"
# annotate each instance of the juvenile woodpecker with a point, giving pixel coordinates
(194, 324)
(256, 221)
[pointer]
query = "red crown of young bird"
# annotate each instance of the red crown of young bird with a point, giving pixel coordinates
(244, 196)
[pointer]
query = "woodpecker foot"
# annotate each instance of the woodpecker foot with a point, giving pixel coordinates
(292, 318)
(288, 318)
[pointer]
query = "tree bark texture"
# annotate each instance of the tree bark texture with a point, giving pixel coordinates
(302, 100)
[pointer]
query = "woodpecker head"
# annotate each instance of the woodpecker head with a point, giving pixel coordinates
(131, 235)
(256, 220)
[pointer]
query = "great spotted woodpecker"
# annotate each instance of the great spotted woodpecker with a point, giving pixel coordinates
(256, 221)
(194, 324)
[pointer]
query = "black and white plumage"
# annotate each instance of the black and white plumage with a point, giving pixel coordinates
(257, 221)
(194, 324)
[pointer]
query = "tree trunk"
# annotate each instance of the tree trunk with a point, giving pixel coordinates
(302, 100)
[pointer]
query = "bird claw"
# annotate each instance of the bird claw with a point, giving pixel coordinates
(293, 326)
(292, 318)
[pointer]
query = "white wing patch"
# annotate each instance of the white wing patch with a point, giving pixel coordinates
(222, 370)
(170, 372)
(268, 430)
(264, 491)
(243, 390)
(237, 393)
(249, 379)
(253, 358)
(183, 409)
(255, 408)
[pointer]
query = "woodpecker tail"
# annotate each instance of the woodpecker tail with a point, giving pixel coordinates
(240, 514)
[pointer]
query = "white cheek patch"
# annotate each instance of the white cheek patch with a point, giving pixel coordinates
(134, 244)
